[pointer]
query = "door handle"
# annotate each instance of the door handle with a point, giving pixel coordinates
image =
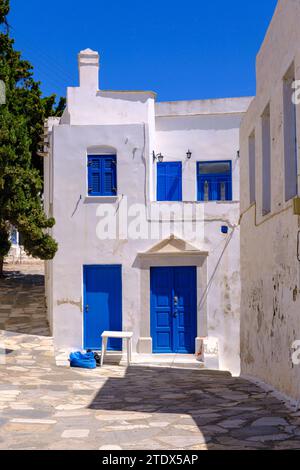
(175, 314)
(86, 308)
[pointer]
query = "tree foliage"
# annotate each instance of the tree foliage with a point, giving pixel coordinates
(21, 125)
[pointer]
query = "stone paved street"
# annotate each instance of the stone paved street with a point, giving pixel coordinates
(22, 304)
(43, 406)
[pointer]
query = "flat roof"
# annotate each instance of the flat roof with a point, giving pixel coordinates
(145, 92)
(202, 107)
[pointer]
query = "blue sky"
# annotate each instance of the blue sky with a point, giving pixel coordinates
(192, 49)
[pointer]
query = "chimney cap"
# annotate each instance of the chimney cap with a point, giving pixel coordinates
(88, 62)
(88, 53)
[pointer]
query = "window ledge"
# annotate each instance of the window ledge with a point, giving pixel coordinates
(100, 199)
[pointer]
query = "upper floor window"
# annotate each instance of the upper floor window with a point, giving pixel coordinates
(169, 181)
(252, 167)
(102, 175)
(214, 180)
(266, 161)
(290, 135)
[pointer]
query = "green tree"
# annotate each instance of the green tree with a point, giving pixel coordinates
(21, 125)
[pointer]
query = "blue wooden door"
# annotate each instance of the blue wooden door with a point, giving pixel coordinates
(169, 181)
(102, 305)
(161, 309)
(173, 309)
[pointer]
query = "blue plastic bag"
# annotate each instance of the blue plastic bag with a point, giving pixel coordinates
(82, 360)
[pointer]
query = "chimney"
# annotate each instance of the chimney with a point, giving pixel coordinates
(88, 62)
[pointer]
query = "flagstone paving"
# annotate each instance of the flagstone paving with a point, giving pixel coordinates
(43, 406)
(22, 302)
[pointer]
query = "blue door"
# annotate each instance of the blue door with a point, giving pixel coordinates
(173, 309)
(102, 305)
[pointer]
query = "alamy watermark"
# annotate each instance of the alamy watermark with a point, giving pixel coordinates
(123, 221)
(2, 92)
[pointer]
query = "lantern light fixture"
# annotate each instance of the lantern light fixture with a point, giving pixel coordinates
(188, 154)
(158, 157)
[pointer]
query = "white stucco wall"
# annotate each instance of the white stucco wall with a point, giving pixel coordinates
(270, 271)
(126, 123)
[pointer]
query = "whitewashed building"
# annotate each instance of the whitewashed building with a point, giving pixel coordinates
(17, 254)
(270, 222)
(120, 167)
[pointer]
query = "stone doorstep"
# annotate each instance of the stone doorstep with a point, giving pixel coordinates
(163, 358)
(111, 358)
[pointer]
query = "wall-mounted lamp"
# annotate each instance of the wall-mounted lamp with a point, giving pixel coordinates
(188, 154)
(158, 157)
(238, 154)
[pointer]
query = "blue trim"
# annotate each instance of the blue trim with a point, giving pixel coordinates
(209, 185)
(224, 229)
(14, 236)
(173, 333)
(169, 181)
(113, 307)
(102, 175)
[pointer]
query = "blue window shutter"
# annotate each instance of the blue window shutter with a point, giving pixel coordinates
(169, 181)
(102, 175)
(174, 181)
(109, 183)
(94, 175)
(161, 182)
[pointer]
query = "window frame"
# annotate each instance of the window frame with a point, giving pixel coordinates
(290, 137)
(102, 170)
(252, 166)
(266, 161)
(211, 176)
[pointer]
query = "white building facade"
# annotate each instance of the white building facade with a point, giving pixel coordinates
(270, 222)
(145, 196)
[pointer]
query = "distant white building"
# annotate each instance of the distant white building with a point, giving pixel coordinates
(270, 209)
(146, 200)
(17, 254)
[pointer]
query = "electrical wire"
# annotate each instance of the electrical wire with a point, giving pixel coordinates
(209, 284)
(46, 64)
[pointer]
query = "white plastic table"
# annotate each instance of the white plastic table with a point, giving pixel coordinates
(117, 334)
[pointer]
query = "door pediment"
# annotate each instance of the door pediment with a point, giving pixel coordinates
(174, 246)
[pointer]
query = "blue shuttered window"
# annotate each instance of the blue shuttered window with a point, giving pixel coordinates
(169, 181)
(102, 175)
(214, 180)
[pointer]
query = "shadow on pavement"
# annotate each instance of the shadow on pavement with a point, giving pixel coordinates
(222, 407)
